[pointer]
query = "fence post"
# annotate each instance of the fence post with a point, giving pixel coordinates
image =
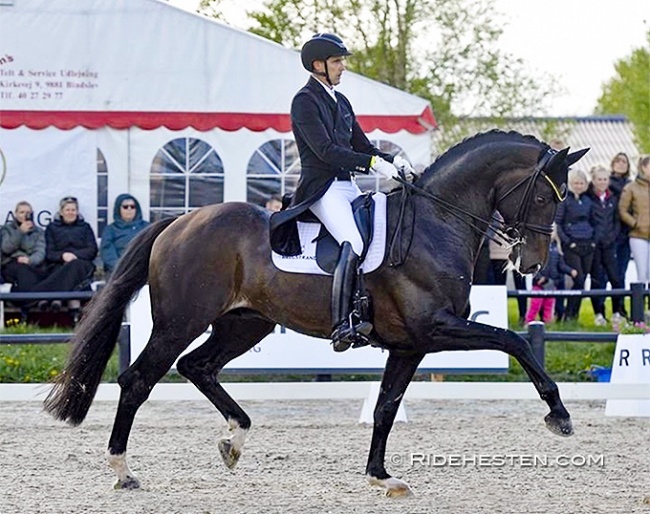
(536, 337)
(637, 301)
(124, 346)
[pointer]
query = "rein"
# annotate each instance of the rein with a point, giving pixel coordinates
(507, 236)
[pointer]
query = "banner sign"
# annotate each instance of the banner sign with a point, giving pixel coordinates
(43, 166)
(288, 351)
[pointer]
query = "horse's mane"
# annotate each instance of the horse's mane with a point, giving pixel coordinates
(494, 135)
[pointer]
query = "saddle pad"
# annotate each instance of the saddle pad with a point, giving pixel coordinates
(306, 261)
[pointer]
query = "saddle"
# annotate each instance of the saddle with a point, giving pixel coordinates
(328, 249)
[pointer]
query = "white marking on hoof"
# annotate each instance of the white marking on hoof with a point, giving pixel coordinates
(230, 447)
(395, 488)
(125, 479)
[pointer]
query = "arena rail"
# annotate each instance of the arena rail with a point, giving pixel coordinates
(536, 333)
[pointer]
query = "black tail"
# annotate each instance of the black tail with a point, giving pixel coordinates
(96, 336)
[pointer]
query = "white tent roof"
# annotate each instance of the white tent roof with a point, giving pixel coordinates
(144, 63)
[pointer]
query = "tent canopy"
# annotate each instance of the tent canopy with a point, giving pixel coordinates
(144, 63)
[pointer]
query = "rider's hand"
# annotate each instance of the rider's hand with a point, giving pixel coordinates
(384, 168)
(405, 167)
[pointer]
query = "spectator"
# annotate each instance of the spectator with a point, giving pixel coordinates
(70, 249)
(575, 227)
(274, 203)
(547, 279)
(634, 210)
(127, 216)
(606, 228)
(620, 176)
(23, 252)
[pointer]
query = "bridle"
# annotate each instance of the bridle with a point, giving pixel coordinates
(496, 229)
(514, 232)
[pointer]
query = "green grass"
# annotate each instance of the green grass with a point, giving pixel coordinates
(565, 361)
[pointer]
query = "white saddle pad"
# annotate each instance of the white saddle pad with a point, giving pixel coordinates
(306, 261)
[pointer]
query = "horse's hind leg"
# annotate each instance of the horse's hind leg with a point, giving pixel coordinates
(136, 383)
(232, 335)
(397, 376)
(454, 333)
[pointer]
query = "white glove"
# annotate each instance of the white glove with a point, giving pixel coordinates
(384, 168)
(404, 166)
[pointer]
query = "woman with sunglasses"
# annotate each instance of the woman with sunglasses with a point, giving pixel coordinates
(127, 216)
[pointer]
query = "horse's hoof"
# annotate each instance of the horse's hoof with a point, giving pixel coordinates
(395, 488)
(129, 483)
(559, 426)
(228, 453)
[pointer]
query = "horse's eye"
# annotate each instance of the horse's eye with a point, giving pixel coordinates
(540, 200)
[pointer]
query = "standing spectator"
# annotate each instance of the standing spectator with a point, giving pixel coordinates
(23, 252)
(619, 177)
(127, 222)
(574, 220)
(70, 249)
(634, 209)
(546, 280)
(606, 228)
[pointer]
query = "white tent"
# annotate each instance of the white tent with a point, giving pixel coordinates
(101, 97)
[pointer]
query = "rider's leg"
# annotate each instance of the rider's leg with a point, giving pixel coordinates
(333, 209)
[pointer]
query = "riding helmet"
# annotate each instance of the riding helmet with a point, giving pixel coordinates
(321, 47)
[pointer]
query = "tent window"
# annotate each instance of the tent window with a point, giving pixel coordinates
(102, 193)
(185, 174)
(273, 169)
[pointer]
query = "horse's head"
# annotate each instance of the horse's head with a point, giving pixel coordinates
(528, 203)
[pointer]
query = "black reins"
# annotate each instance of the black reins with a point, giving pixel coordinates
(504, 235)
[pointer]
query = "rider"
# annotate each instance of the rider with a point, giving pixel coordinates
(332, 149)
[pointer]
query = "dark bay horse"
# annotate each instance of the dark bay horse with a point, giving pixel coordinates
(213, 267)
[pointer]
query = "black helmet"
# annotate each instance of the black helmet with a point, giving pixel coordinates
(321, 47)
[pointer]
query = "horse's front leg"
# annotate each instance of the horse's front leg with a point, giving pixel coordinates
(397, 376)
(450, 332)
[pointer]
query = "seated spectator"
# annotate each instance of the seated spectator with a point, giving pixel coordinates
(274, 203)
(606, 228)
(23, 252)
(127, 216)
(70, 249)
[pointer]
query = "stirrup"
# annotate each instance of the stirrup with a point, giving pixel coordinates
(348, 335)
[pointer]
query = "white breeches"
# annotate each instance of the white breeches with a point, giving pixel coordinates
(334, 211)
(641, 253)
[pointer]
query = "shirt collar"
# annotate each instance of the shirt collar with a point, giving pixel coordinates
(330, 90)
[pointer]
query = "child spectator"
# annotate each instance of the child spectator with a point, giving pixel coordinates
(547, 279)
(575, 227)
(606, 228)
(127, 216)
(70, 249)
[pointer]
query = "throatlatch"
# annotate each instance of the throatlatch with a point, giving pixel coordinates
(350, 304)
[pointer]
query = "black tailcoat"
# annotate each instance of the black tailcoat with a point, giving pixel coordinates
(331, 145)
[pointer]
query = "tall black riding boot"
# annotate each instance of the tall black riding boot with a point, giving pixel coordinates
(345, 332)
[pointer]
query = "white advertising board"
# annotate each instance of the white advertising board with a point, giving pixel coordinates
(288, 351)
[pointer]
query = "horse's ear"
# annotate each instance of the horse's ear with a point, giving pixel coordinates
(556, 162)
(575, 156)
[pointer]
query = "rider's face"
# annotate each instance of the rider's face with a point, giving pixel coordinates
(335, 67)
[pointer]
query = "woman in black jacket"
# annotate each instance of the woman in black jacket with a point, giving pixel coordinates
(606, 229)
(575, 226)
(70, 249)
